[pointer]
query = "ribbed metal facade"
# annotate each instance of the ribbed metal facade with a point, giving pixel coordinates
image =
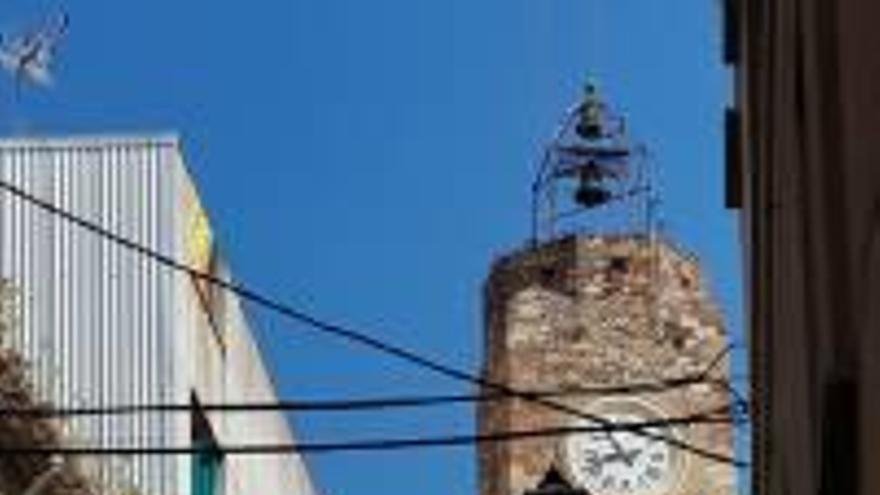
(96, 321)
(101, 325)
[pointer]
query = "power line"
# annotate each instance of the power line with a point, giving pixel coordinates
(374, 445)
(339, 405)
(716, 360)
(742, 405)
(338, 330)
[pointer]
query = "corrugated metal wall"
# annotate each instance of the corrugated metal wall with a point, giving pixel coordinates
(96, 320)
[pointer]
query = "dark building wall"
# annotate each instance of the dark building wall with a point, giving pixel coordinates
(808, 97)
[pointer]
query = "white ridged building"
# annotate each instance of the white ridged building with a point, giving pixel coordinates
(100, 325)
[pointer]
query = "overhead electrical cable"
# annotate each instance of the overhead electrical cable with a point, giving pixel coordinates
(710, 417)
(340, 331)
(742, 405)
(338, 405)
(716, 360)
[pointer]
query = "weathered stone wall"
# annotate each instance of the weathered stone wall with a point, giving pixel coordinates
(598, 312)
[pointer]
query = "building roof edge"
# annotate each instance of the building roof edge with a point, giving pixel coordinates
(159, 138)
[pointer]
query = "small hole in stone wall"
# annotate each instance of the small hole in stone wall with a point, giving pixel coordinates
(686, 281)
(678, 342)
(619, 264)
(577, 332)
(677, 335)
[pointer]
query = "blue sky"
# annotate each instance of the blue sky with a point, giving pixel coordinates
(368, 159)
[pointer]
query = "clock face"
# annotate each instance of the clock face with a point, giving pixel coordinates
(622, 462)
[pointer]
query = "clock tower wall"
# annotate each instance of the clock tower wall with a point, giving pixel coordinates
(580, 316)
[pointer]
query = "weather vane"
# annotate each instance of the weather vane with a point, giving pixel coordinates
(29, 56)
(589, 167)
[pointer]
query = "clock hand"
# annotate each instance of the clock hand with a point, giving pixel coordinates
(627, 456)
(630, 457)
(618, 449)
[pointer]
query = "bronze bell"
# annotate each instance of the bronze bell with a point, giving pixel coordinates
(589, 124)
(590, 194)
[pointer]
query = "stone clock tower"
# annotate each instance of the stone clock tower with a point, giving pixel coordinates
(618, 325)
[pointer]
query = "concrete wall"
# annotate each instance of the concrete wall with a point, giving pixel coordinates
(228, 368)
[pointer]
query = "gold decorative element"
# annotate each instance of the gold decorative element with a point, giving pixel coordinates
(199, 238)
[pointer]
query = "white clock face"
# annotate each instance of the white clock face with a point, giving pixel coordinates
(622, 462)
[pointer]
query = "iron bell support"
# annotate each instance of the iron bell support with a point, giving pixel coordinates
(586, 168)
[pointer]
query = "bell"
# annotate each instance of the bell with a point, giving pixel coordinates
(589, 124)
(591, 195)
(589, 131)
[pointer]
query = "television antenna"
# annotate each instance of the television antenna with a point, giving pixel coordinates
(29, 56)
